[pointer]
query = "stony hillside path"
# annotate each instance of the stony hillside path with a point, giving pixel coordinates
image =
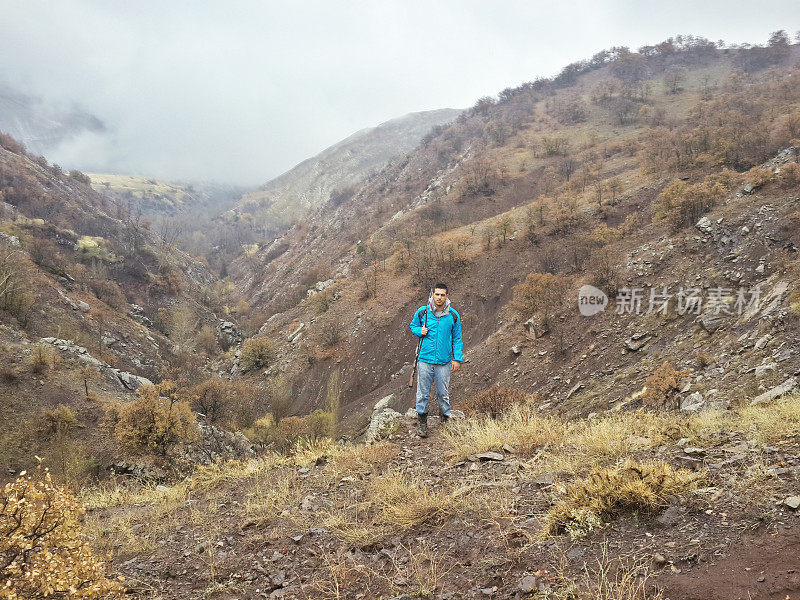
(738, 545)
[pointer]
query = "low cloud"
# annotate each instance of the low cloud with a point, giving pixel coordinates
(241, 91)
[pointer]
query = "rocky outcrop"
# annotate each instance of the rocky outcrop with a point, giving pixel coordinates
(217, 444)
(230, 334)
(384, 420)
(776, 392)
(128, 381)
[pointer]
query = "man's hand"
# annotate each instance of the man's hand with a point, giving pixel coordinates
(424, 331)
(456, 366)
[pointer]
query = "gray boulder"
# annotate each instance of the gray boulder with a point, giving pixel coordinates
(382, 424)
(704, 225)
(776, 392)
(693, 402)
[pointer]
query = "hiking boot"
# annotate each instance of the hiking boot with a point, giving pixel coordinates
(422, 425)
(445, 420)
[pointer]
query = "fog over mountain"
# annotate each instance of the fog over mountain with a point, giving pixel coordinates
(243, 91)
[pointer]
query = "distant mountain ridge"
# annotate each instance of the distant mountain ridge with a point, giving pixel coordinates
(347, 163)
(40, 126)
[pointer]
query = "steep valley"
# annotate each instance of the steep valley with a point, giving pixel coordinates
(228, 400)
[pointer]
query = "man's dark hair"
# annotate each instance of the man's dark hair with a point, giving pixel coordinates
(440, 286)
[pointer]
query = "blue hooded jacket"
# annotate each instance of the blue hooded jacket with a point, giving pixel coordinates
(442, 343)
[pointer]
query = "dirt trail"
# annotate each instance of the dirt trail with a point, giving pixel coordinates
(760, 567)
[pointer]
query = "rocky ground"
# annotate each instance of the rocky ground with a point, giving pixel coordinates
(321, 524)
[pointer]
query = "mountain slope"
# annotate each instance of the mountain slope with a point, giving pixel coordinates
(577, 177)
(92, 305)
(345, 164)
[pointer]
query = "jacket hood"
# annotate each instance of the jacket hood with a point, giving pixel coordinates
(438, 313)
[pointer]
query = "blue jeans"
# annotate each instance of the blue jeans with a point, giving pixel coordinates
(425, 376)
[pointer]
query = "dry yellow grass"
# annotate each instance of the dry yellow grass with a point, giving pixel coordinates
(362, 457)
(389, 504)
(310, 452)
(609, 578)
(584, 503)
(772, 422)
(342, 574)
(559, 445)
(575, 446)
(356, 531)
(403, 500)
(424, 568)
(274, 494)
(117, 493)
(521, 428)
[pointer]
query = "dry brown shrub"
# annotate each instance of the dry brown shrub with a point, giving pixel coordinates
(232, 404)
(288, 432)
(109, 292)
(42, 359)
(43, 553)
(494, 402)
(662, 385)
(541, 294)
(704, 359)
(321, 424)
(206, 340)
(168, 283)
(790, 175)
(758, 177)
(604, 272)
(257, 353)
(9, 374)
(156, 421)
(682, 204)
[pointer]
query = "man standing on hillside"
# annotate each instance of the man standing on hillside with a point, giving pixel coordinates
(441, 351)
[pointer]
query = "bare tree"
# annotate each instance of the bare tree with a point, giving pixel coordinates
(567, 167)
(673, 79)
(10, 275)
(504, 227)
(614, 188)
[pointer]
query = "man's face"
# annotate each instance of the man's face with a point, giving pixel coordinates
(439, 296)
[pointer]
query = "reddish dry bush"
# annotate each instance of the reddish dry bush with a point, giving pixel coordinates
(231, 404)
(661, 386)
(494, 402)
(109, 292)
(168, 283)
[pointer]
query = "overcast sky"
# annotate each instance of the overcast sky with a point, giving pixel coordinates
(240, 91)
